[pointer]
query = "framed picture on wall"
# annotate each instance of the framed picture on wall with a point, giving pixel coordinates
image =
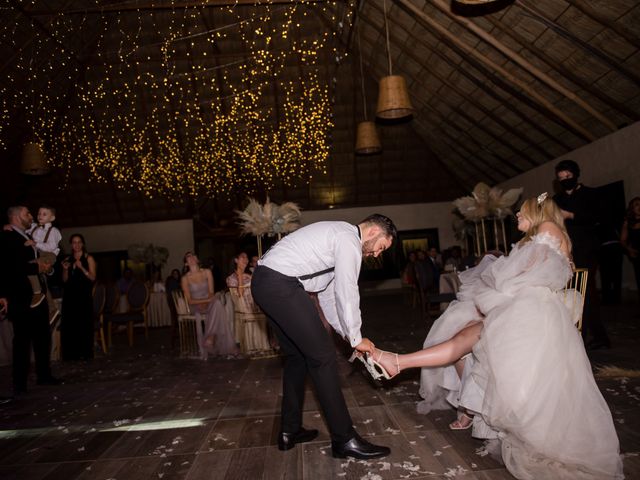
(412, 240)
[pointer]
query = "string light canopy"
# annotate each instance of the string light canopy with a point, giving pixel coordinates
(367, 140)
(162, 108)
(393, 96)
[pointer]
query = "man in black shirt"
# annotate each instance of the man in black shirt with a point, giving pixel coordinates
(580, 208)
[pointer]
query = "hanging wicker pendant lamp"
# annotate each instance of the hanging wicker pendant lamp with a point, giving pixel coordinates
(34, 160)
(393, 97)
(367, 140)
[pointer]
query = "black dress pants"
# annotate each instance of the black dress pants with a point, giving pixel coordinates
(308, 348)
(30, 327)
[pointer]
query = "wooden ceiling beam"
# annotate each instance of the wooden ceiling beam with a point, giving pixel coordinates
(458, 111)
(444, 98)
(468, 50)
(442, 119)
(564, 71)
(591, 50)
(437, 141)
(620, 29)
(524, 64)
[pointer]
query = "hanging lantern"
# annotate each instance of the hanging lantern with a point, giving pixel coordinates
(34, 160)
(393, 99)
(367, 140)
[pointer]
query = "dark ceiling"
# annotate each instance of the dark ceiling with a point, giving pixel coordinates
(114, 89)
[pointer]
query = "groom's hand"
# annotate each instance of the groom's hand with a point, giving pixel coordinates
(365, 345)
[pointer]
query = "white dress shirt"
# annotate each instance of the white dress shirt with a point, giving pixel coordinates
(39, 232)
(318, 247)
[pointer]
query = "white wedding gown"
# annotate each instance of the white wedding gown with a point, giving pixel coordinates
(528, 380)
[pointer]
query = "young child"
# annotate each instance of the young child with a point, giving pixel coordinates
(46, 240)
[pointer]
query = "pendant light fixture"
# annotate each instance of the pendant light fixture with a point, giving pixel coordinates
(34, 160)
(367, 140)
(393, 97)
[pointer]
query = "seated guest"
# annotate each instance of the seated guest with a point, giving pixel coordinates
(251, 324)
(197, 285)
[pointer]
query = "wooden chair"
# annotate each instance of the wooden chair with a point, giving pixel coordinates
(99, 301)
(252, 334)
(574, 294)
(138, 298)
(187, 326)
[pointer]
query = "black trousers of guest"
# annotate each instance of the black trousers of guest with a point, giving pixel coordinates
(591, 319)
(30, 328)
(308, 349)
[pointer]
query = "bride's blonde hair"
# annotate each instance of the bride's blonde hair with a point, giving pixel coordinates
(540, 211)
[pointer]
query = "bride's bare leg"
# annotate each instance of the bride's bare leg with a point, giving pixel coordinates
(444, 353)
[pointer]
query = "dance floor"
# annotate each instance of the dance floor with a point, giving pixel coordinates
(144, 413)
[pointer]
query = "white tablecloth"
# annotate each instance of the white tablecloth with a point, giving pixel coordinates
(158, 310)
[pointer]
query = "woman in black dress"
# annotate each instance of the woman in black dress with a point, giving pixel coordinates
(76, 327)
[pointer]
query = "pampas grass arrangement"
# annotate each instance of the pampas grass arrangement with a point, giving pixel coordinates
(269, 219)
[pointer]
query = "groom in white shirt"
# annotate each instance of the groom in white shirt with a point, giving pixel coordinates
(323, 257)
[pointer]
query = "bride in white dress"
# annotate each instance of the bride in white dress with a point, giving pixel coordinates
(525, 377)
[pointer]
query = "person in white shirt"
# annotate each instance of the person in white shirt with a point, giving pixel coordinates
(45, 238)
(325, 258)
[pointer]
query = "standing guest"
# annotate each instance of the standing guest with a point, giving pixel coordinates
(173, 281)
(253, 263)
(580, 209)
(76, 327)
(198, 289)
(30, 325)
(323, 257)
(630, 236)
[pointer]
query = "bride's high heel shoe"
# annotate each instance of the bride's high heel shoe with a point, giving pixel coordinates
(374, 367)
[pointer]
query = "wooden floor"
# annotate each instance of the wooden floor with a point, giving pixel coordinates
(144, 413)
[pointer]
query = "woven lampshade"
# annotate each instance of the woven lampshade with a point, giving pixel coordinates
(367, 141)
(475, 2)
(393, 98)
(34, 161)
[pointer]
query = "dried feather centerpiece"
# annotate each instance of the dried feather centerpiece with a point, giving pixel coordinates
(252, 219)
(269, 219)
(500, 203)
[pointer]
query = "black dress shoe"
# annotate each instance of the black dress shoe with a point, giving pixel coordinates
(358, 447)
(49, 381)
(287, 441)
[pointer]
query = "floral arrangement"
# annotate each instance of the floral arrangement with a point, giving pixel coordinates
(485, 203)
(269, 219)
(148, 254)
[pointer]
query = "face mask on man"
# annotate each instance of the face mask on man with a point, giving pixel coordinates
(568, 183)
